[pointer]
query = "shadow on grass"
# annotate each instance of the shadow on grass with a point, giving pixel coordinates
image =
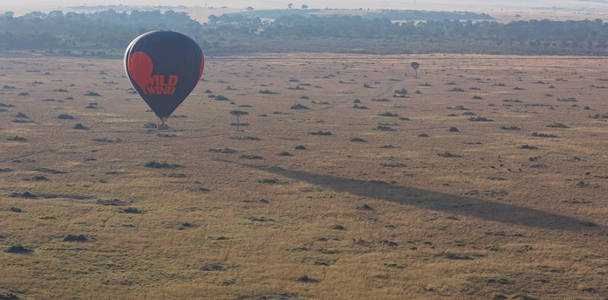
(454, 204)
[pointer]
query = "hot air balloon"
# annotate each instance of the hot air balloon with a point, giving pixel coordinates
(164, 67)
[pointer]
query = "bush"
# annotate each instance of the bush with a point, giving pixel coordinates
(321, 133)
(17, 139)
(75, 238)
(449, 155)
(131, 210)
(18, 249)
(557, 125)
(385, 128)
(480, 119)
(65, 117)
(79, 126)
(543, 135)
(223, 150)
(157, 165)
(251, 157)
(298, 106)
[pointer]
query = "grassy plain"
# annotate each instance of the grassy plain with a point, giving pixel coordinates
(487, 179)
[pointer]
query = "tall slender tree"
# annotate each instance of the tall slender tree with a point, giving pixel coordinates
(415, 66)
(238, 114)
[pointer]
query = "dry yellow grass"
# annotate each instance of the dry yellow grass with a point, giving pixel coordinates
(493, 220)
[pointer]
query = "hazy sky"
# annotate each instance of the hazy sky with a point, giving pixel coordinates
(473, 5)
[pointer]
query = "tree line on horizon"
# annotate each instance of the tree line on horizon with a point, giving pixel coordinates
(107, 33)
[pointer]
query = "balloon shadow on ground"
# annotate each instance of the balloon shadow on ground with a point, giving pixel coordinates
(454, 204)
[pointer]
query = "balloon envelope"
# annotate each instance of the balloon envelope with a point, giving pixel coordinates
(164, 67)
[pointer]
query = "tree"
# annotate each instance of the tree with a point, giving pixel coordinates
(415, 66)
(304, 6)
(290, 5)
(238, 114)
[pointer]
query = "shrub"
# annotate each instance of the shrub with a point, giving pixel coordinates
(157, 165)
(131, 210)
(557, 125)
(223, 150)
(480, 119)
(75, 238)
(17, 139)
(298, 106)
(18, 249)
(251, 157)
(65, 117)
(321, 133)
(449, 155)
(544, 135)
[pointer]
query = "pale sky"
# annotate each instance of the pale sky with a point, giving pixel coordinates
(580, 6)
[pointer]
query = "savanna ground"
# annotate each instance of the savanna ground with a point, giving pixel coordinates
(487, 179)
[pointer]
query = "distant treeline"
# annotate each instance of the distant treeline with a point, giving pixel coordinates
(107, 33)
(400, 15)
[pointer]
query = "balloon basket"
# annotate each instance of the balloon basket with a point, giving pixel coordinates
(163, 125)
